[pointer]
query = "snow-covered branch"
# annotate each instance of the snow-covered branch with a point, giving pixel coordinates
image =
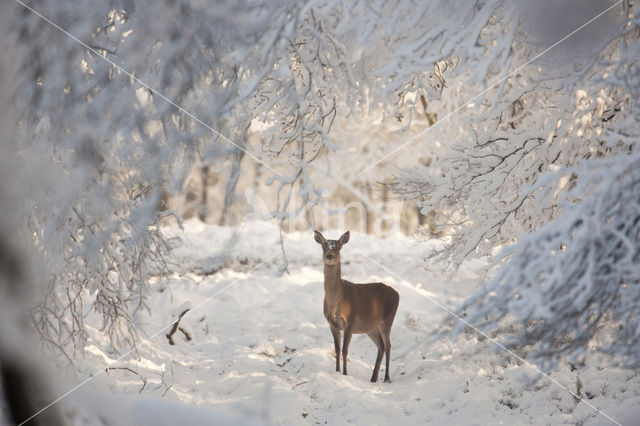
(483, 183)
(575, 283)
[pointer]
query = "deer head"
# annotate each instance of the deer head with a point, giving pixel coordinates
(331, 248)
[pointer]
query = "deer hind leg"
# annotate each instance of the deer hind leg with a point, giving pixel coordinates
(336, 344)
(385, 334)
(377, 339)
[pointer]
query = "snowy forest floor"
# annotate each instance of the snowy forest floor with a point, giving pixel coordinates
(261, 350)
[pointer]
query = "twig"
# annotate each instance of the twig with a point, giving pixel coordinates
(186, 333)
(176, 327)
(144, 379)
(301, 383)
(162, 382)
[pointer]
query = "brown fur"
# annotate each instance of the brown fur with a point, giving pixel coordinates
(356, 308)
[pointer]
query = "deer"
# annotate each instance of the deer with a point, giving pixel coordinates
(356, 308)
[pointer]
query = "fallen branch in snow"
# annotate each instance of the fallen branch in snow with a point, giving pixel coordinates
(299, 384)
(177, 327)
(163, 383)
(186, 333)
(144, 379)
(284, 363)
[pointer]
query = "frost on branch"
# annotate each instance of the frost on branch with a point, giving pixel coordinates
(530, 120)
(575, 283)
(107, 149)
(546, 162)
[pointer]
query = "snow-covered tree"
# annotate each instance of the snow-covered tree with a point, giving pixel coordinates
(535, 116)
(116, 100)
(107, 144)
(575, 283)
(547, 158)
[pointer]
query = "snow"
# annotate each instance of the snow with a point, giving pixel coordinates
(261, 350)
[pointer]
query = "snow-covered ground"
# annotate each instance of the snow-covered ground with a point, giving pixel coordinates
(261, 350)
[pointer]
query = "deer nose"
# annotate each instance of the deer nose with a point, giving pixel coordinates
(329, 256)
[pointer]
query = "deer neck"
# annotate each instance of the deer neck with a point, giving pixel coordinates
(332, 283)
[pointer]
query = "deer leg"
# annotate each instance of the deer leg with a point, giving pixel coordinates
(377, 339)
(345, 348)
(384, 335)
(387, 379)
(336, 344)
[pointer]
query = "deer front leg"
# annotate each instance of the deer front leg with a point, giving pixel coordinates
(336, 344)
(345, 348)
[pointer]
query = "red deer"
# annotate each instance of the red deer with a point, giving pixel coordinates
(356, 308)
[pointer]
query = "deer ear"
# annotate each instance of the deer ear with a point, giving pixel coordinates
(318, 237)
(344, 239)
